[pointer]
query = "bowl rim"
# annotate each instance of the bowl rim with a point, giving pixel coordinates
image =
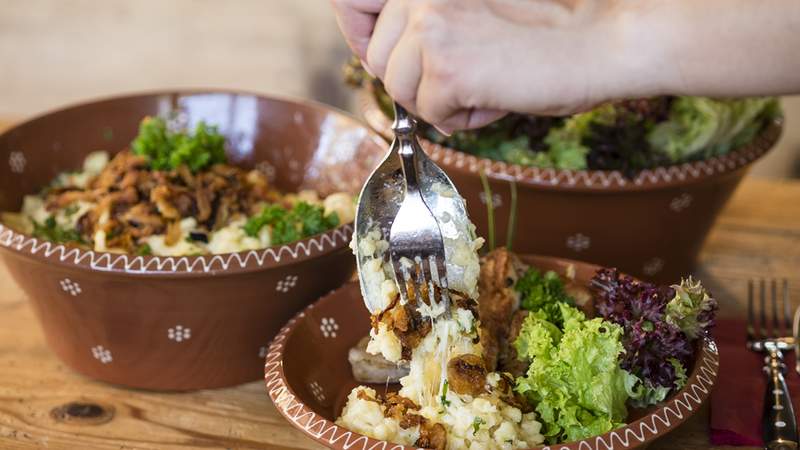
(580, 180)
(338, 238)
(667, 416)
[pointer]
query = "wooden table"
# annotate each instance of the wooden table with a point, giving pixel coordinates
(758, 235)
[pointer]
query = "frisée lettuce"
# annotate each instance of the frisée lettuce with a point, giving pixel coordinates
(574, 378)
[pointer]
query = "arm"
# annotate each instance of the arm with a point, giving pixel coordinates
(726, 48)
(463, 63)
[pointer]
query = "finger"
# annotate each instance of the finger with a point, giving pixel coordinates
(435, 100)
(388, 29)
(469, 119)
(356, 18)
(404, 71)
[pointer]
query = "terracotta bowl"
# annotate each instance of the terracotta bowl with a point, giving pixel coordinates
(652, 226)
(308, 376)
(179, 323)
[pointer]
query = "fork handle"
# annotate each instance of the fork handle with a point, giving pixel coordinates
(404, 127)
(779, 424)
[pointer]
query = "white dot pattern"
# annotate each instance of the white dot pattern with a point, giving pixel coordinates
(497, 200)
(70, 287)
(317, 391)
(179, 333)
(653, 266)
(102, 354)
(287, 284)
(681, 202)
(17, 162)
(329, 327)
(579, 242)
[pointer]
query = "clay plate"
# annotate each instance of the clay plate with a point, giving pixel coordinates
(308, 376)
(181, 323)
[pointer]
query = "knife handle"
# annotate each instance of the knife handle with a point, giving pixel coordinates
(779, 424)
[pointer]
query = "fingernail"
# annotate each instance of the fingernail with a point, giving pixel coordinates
(367, 69)
(444, 131)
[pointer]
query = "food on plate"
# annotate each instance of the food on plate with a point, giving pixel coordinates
(627, 135)
(535, 357)
(451, 397)
(659, 325)
(173, 193)
(369, 368)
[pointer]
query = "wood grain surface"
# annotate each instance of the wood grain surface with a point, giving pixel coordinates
(42, 402)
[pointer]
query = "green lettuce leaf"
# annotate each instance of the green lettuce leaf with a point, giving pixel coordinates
(643, 394)
(700, 127)
(566, 144)
(575, 382)
(538, 338)
(692, 309)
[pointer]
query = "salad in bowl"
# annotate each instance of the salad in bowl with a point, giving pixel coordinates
(635, 184)
(629, 135)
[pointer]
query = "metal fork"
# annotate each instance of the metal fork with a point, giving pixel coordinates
(778, 420)
(432, 211)
(416, 245)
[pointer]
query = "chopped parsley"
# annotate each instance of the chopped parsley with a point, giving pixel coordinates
(476, 424)
(443, 397)
(167, 150)
(290, 225)
(543, 292)
(70, 210)
(144, 250)
(51, 231)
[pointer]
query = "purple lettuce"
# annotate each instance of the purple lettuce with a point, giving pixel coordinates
(650, 341)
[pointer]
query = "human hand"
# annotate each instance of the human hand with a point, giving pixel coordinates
(464, 63)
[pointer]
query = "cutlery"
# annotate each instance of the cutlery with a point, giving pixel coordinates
(416, 245)
(416, 207)
(778, 420)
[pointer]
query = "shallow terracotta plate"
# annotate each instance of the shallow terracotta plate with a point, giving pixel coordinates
(308, 376)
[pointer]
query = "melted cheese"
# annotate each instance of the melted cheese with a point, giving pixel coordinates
(499, 425)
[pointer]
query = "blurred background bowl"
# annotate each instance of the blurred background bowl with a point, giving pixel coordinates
(179, 323)
(652, 225)
(308, 376)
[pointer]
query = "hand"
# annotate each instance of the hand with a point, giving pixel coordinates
(464, 63)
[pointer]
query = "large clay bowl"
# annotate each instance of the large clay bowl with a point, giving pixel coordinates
(185, 322)
(308, 376)
(652, 225)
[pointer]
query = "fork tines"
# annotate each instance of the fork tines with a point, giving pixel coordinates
(421, 274)
(765, 329)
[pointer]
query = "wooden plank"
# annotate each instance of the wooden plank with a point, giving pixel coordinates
(758, 235)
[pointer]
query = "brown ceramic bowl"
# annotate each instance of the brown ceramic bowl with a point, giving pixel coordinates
(179, 323)
(308, 376)
(652, 226)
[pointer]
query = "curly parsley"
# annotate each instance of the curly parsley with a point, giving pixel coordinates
(167, 150)
(51, 231)
(290, 225)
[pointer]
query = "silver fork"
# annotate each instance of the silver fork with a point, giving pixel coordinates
(416, 245)
(432, 211)
(778, 420)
